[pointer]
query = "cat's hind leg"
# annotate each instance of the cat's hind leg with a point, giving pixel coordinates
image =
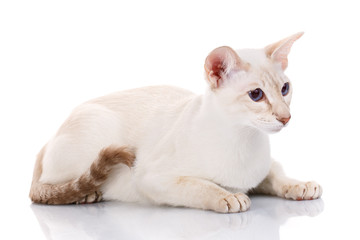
(89, 129)
(78, 160)
(278, 184)
(83, 189)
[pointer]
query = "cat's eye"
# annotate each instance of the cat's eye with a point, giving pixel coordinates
(256, 95)
(285, 89)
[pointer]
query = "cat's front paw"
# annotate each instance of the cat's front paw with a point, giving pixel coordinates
(302, 191)
(237, 202)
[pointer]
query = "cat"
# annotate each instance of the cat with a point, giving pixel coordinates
(165, 145)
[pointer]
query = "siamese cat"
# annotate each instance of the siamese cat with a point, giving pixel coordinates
(166, 145)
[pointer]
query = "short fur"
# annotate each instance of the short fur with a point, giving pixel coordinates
(201, 151)
(83, 186)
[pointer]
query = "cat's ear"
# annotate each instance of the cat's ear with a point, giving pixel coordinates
(220, 63)
(279, 51)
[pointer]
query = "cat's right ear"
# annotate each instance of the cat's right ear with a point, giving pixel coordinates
(220, 63)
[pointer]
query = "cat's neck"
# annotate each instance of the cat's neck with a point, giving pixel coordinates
(212, 115)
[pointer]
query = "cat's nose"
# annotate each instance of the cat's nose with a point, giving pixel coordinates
(284, 120)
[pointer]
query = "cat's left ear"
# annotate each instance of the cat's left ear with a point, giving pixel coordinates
(279, 51)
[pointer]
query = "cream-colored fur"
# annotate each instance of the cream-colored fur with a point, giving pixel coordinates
(202, 151)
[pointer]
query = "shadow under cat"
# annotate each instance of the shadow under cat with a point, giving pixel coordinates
(114, 220)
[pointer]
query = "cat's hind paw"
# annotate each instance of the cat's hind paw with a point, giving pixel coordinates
(302, 191)
(233, 203)
(92, 198)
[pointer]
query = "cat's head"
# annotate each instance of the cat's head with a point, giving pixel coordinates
(250, 84)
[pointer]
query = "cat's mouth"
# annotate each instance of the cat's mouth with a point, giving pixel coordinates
(269, 127)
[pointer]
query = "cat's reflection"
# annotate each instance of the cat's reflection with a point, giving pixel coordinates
(114, 220)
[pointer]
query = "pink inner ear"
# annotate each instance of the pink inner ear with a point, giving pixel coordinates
(281, 57)
(216, 66)
(219, 62)
(279, 51)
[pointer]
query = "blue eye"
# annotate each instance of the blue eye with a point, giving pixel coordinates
(256, 95)
(285, 89)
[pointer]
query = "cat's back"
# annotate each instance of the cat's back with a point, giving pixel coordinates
(144, 98)
(133, 107)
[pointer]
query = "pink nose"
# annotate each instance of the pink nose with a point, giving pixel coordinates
(284, 120)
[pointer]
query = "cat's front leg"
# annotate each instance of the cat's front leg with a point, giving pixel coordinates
(193, 192)
(278, 184)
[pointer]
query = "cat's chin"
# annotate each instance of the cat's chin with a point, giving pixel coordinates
(271, 131)
(268, 127)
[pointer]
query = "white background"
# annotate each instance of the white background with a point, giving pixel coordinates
(56, 54)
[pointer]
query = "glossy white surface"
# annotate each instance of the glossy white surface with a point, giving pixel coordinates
(270, 218)
(113, 220)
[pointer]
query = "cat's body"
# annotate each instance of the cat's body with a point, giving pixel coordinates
(202, 151)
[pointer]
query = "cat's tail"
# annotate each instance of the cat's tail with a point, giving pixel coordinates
(87, 184)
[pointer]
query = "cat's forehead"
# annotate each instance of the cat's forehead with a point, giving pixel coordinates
(256, 57)
(263, 70)
(270, 79)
